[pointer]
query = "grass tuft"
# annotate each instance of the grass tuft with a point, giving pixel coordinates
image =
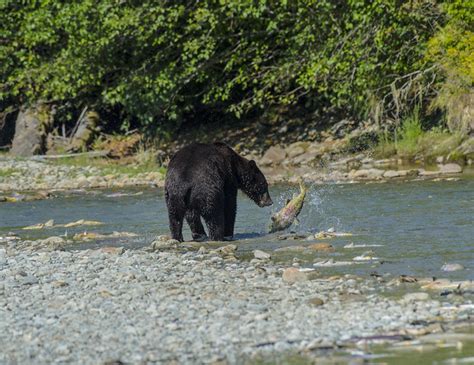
(410, 141)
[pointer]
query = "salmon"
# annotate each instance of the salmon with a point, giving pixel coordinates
(287, 215)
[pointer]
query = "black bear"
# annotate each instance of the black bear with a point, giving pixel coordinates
(202, 181)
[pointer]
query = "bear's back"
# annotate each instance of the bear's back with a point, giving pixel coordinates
(201, 159)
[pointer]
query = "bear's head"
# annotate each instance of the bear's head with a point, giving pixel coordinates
(254, 184)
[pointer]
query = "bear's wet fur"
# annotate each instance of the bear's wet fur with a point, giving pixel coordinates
(202, 181)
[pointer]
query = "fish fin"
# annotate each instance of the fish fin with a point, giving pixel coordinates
(287, 201)
(297, 222)
(273, 218)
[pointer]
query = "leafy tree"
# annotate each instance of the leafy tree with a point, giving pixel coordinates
(162, 62)
(452, 48)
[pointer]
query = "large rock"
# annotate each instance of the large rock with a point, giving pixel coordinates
(367, 174)
(32, 127)
(467, 148)
(296, 149)
(450, 168)
(389, 174)
(275, 155)
(305, 158)
(85, 133)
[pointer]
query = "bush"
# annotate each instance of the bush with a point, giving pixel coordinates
(452, 50)
(408, 135)
(160, 63)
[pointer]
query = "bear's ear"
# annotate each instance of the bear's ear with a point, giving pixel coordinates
(252, 163)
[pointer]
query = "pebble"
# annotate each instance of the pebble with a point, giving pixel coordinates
(411, 297)
(293, 275)
(322, 247)
(316, 302)
(45, 175)
(94, 306)
(261, 255)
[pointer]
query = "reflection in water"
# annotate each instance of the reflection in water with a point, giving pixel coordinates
(417, 226)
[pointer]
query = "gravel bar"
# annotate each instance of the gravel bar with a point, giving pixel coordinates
(140, 307)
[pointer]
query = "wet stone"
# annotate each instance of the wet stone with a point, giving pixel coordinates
(412, 297)
(261, 255)
(316, 302)
(293, 275)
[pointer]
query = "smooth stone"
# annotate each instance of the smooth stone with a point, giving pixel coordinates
(161, 245)
(54, 242)
(113, 250)
(414, 297)
(296, 149)
(275, 155)
(261, 255)
(293, 275)
(423, 172)
(29, 280)
(452, 267)
(316, 302)
(450, 168)
(290, 248)
(225, 250)
(390, 174)
(370, 173)
(322, 247)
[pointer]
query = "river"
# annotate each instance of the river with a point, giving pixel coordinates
(415, 227)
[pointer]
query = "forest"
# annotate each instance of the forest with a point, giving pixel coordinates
(160, 65)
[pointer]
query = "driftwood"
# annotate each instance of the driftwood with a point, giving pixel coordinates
(80, 120)
(69, 155)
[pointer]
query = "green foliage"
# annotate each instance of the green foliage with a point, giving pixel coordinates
(411, 141)
(162, 62)
(452, 49)
(409, 134)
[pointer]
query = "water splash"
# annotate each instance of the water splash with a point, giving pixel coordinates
(317, 202)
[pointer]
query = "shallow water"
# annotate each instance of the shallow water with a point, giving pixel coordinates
(420, 225)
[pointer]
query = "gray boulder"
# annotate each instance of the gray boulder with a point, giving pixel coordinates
(450, 168)
(31, 129)
(275, 155)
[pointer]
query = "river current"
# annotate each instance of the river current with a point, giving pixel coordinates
(410, 228)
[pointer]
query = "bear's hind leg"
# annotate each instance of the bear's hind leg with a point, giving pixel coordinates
(215, 220)
(215, 226)
(194, 222)
(176, 226)
(176, 212)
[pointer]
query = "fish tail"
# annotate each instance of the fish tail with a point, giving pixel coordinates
(303, 187)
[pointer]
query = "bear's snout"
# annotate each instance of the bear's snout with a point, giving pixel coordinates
(265, 201)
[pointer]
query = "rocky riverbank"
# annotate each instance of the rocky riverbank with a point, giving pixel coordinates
(18, 176)
(162, 305)
(30, 174)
